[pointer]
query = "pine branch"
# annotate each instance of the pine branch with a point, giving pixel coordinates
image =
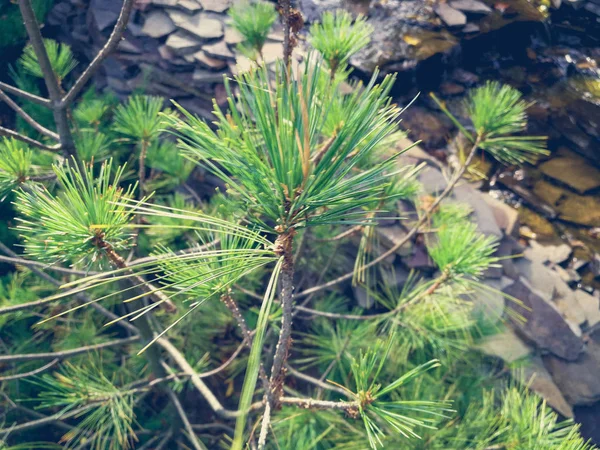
(311, 403)
(111, 44)
(25, 95)
(67, 353)
(413, 231)
(316, 381)
(10, 133)
(18, 376)
(285, 10)
(30, 120)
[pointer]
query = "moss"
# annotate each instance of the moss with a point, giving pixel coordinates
(12, 31)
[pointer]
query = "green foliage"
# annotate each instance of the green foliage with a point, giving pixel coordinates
(92, 145)
(81, 221)
(139, 119)
(498, 113)
(175, 169)
(108, 411)
(373, 406)
(253, 21)
(276, 161)
(337, 38)
(15, 165)
(60, 56)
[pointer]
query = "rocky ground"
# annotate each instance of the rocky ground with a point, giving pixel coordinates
(181, 49)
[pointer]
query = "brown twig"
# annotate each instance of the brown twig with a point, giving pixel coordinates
(30, 120)
(20, 137)
(67, 353)
(18, 376)
(26, 95)
(111, 44)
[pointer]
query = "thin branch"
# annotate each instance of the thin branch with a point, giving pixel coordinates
(67, 353)
(79, 296)
(316, 381)
(26, 95)
(20, 137)
(29, 263)
(163, 443)
(204, 390)
(110, 45)
(311, 403)
(186, 422)
(285, 6)
(18, 376)
(414, 230)
(45, 420)
(30, 120)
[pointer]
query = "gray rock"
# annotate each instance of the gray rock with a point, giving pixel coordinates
(167, 3)
(543, 323)
(505, 345)
(363, 298)
(489, 304)
(471, 28)
(534, 375)
(232, 36)
(189, 6)
(158, 24)
(200, 24)
(482, 212)
(389, 236)
(209, 62)
(395, 277)
(432, 180)
(471, 6)
(312, 10)
(506, 216)
(216, 5)
(451, 17)
(554, 254)
(577, 380)
(183, 44)
(105, 13)
(220, 50)
(590, 306)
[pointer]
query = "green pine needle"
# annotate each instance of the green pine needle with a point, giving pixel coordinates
(75, 224)
(253, 21)
(15, 165)
(60, 56)
(337, 38)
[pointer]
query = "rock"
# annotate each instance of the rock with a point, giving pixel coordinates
(471, 28)
(543, 324)
(183, 44)
(464, 77)
(505, 345)
(554, 254)
(312, 10)
(420, 259)
(363, 298)
(200, 24)
(451, 17)
(432, 180)
(272, 51)
(232, 36)
(449, 88)
(573, 171)
(395, 277)
(482, 213)
(534, 375)
(590, 306)
(201, 76)
(189, 6)
(389, 236)
(577, 380)
(490, 303)
(216, 5)
(220, 50)
(429, 127)
(158, 24)
(105, 13)
(506, 216)
(208, 61)
(167, 3)
(471, 6)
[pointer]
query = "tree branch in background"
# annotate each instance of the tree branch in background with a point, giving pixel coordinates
(18, 376)
(27, 140)
(26, 95)
(110, 45)
(186, 422)
(30, 120)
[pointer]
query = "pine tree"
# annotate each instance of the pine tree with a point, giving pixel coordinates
(156, 297)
